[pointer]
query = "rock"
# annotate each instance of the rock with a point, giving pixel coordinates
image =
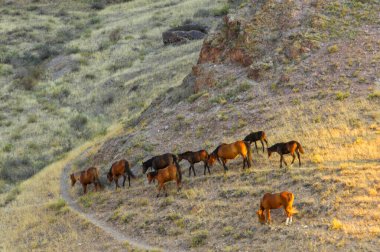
(184, 33)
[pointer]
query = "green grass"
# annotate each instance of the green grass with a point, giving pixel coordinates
(73, 71)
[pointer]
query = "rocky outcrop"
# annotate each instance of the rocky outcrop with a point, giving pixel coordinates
(184, 33)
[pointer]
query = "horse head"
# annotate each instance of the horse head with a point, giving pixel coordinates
(109, 176)
(73, 179)
(151, 176)
(211, 159)
(261, 216)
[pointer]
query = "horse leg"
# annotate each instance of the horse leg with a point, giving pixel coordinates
(256, 147)
(166, 192)
(262, 143)
(244, 160)
(299, 159)
(159, 189)
(124, 178)
(84, 189)
(283, 159)
(268, 216)
(129, 181)
(192, 165)
(294, 157)
(190, 171)
(205, 166)
(224, 161)
(288, 217)
(208, 167)
(116, 182)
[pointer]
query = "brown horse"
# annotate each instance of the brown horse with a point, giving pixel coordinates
(160, 162)
(165, 175)
(257, 136)
(120, 168)
(229, 151)
(195, 157)
(286, 148)
(275, 201)
(86, 177)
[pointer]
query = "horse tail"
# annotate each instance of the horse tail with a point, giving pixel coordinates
(97, 177)
(249, 153)
(179, 173)
(128, 169)
(293, 210)
(300, 148)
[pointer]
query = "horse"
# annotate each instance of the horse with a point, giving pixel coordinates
(275, 201)
(86, 177)
(169, 173)
(286, 148)
(229, 151)
(257, 136)
(160, 162)
(120, 168)
(195, 157)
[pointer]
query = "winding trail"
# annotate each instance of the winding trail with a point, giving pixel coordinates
(116, 234)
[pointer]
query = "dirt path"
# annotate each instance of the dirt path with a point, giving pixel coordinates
(116, 234)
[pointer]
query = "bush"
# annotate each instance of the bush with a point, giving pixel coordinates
(336, 224)
(79, 122)
(58, 205)
(199, 238)
(333, 49)
(221, 11)
(115, 35)
(98, 5)
(12, 195)
(340, 96)
(28, 78)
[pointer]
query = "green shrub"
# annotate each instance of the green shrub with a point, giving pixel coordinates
(221, 11)
(340, 96)
(79, 122)
(374, 95)
(333, 49)
(7, 147)
(58, 205)
(199, 238)
(12, 195)
(192, 98)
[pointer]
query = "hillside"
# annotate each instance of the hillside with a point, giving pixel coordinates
(71, 69)
(299, 70)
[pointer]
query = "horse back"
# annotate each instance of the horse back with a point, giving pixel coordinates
(166, 174)
(118, 168)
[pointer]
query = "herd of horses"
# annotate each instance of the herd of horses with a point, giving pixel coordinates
(166, 168)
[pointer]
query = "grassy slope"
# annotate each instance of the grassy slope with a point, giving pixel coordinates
(336, 190)
(85, 70)
(329, 104)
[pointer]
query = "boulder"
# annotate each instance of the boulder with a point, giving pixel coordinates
(184, 33)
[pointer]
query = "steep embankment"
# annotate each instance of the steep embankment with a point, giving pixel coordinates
(298, 70)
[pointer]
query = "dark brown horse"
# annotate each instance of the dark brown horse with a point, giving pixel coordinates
(195, 157)
(86, 177)
(287, 148)
(274, 201)
(257, 136)
(160, 162)
(172, 172)
(229, 151)
(120, 168)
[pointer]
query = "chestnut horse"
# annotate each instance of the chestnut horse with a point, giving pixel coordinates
(160, 162)
(86, 177)
(165, 175)
(286, 148)
(257, 136)
(229, 151)
(275, 201)
(195, 157)
(120, 168)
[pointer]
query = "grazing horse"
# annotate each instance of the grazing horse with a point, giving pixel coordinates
(257, 136)
(195, 157)
(86, 177)
(229, 151)
(160, 162)
(274, 201)
(169, 173)
(120, 168)
(286, 148)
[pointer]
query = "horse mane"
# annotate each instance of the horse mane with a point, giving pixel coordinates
(216, 149)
